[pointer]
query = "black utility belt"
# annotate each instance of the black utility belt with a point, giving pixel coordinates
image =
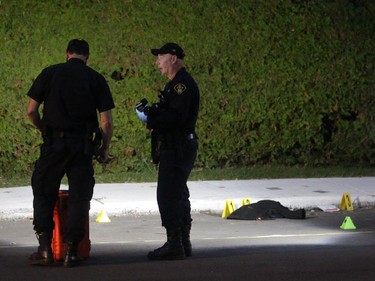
(65, 134)
(171, 137)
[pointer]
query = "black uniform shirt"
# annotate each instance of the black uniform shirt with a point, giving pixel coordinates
(72, 93)
(179, 112)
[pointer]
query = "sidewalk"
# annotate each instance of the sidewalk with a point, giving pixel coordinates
(207, 196)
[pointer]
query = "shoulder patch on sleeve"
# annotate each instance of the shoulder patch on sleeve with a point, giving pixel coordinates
(180, 88)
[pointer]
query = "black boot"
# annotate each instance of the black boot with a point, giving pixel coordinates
(44, 255)
(172, 249)
(185, 234)
(72, 258)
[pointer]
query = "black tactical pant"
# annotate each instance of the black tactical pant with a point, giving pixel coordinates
(172, 191)
(60, 156)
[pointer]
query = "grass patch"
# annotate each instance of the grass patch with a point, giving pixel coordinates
(219, 174)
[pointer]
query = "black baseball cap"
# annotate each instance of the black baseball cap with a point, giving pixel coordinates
(169, 48)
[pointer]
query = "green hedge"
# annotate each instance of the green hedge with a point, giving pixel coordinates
(282, 82)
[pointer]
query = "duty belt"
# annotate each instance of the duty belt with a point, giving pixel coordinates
(65, 133)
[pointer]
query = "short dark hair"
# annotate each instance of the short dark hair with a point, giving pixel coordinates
(79, 47)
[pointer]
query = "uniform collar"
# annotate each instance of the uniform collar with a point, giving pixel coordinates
(179, 73)
(76, 60)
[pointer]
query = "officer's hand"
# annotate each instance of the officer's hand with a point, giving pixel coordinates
(142, 116)
(102, 155)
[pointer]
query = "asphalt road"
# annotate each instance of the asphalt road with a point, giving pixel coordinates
(282, 249)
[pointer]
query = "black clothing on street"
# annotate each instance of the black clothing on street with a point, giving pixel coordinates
(174, 121)
(266, 210)
(72, 94)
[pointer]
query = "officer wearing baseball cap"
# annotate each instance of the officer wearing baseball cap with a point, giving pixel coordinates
(173, 122)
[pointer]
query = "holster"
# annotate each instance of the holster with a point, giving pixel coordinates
(97, 142)
(155, 146)
(92, 141)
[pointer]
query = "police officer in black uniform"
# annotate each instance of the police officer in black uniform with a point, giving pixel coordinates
(173, 121)
(72, 94)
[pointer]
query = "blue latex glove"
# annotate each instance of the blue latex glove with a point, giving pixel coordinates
(142, 116)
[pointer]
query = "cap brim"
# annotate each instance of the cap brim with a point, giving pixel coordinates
(155, 52)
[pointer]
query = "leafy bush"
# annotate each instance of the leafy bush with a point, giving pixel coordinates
(282, 82)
